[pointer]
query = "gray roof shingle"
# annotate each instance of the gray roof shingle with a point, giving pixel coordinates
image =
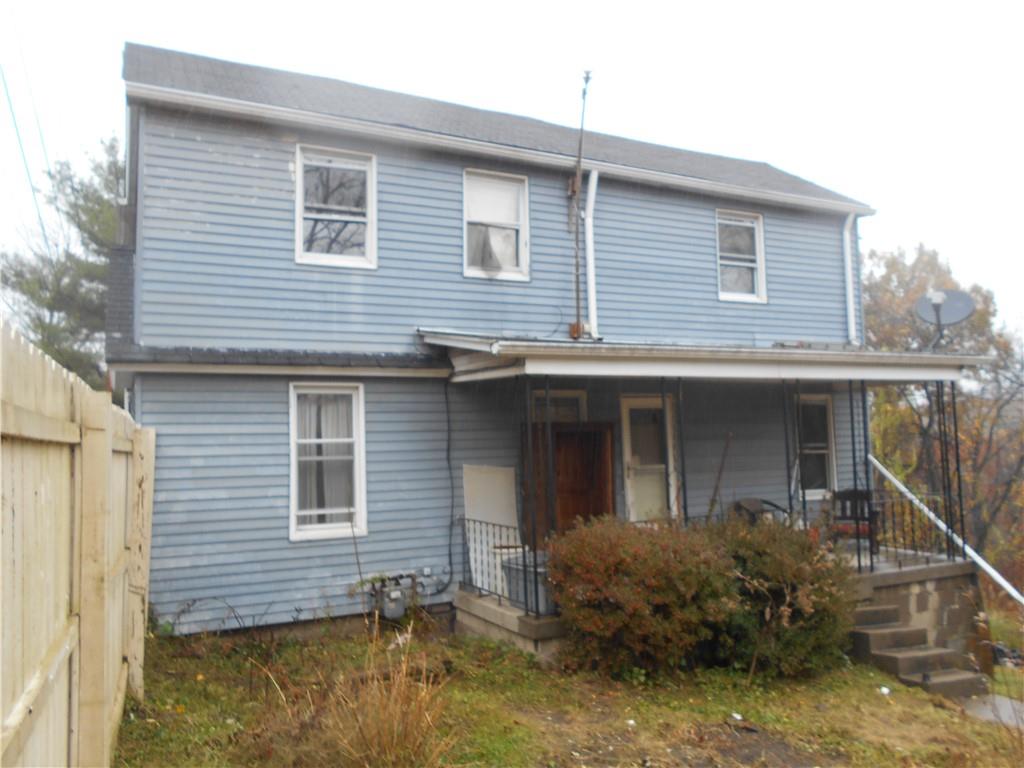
(146, 65)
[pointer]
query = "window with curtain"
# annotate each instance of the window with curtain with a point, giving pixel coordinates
(815, 444)
(327, 461)
(740, 257)
(337, 202)
(496, 226)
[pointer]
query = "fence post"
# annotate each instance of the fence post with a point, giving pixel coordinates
(93, 742)
(141, 510)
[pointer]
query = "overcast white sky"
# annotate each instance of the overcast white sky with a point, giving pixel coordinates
(913, 108)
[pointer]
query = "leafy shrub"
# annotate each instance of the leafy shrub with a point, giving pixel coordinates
(796, 605)
(638, 598)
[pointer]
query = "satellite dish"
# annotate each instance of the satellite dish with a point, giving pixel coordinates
(944, 308)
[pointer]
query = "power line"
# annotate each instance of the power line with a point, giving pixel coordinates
(24, 160)
(35, 112)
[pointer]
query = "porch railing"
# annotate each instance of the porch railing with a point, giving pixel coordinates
(944, 525)
(501, 565)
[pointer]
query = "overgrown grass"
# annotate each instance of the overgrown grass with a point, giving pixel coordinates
(209, 703)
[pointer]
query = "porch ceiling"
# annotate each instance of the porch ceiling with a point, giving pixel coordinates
(477, 357)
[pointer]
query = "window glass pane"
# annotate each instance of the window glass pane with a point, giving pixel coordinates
(646, 434)
(814, 425)
(346, 238)
(334, 188)
(814, 471)
(326, 451)
(492, 248)
(736, 239)
(738, 279)
(334, 517)
(565, 409)
(492, 200)
(325, 484)
(323, 416)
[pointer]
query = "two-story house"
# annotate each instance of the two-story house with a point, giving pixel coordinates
(340, 308)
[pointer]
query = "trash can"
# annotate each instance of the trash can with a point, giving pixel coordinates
(519, 578)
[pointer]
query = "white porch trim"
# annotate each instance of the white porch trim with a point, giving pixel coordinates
(476, 357)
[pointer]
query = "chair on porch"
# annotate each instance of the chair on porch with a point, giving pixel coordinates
(754, 510)
(854, 517)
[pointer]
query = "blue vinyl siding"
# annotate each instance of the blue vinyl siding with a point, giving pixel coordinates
(215, 265)
(220, 519)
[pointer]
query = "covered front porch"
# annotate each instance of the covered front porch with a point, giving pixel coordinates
(546, 434)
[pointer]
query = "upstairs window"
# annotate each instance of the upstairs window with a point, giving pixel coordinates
(328, 474)
(496, 233)
(740, 257)
(336, 217)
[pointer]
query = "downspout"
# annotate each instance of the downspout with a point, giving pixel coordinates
(588, 240)
(851, 308)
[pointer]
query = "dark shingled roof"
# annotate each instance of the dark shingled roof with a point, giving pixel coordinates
(213, 77)
(133, 353)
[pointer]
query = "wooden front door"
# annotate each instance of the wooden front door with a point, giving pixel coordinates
(583, 476)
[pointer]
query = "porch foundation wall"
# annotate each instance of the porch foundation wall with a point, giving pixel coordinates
(484, 616)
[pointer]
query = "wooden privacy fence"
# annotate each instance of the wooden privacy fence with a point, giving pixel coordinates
(77, 496)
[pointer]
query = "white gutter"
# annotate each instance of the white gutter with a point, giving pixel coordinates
(588, 238)
(851, 307)
(298, 117)
(997, 577)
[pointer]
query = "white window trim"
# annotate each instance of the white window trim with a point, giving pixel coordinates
(830, 463)
(761, 286)
(522, 274)
(537, 402)
(358, 527)
(367, 261)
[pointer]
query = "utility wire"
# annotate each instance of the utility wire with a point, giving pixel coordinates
(24, 160)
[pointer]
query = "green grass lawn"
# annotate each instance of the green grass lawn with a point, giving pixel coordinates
(223, 700)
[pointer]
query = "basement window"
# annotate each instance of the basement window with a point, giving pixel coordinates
(328, 465)
(740, 257)
(336, 202)
(496, 234)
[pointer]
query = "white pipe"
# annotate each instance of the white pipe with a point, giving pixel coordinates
(851, 307)
(997, 577)
(588, 239)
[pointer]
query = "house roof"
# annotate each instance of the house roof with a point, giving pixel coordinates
(479, 356)
(162, 75)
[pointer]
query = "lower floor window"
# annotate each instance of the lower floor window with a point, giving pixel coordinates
(328, 475)
(815, 444)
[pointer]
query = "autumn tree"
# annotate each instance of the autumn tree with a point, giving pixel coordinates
(991, 398)
(60, 292)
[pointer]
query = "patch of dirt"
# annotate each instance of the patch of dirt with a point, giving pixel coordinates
(601, 739)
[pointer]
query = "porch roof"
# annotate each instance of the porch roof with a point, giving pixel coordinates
(478, 356)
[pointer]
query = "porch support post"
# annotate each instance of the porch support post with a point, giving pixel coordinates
(788, 457)
(665, 449)
(682, 454)
(532, 502)
(853, 436)
(549, 464)
(947, 501)
(866, 422)
(800, 453)
(959, 478)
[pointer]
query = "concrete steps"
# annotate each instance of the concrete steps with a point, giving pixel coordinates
(880, 638)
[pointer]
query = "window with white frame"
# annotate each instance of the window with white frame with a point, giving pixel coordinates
(740, 256)
(817, 463)
(496, 233)
(336, 201)
(328, 466)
